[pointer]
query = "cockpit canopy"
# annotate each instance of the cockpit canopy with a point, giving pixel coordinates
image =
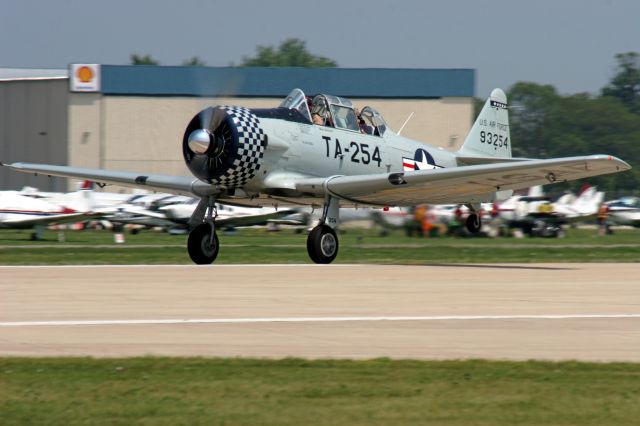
(336, 112)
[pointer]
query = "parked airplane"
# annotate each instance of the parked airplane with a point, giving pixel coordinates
(518, 206)
(584, 207)
(625, 211)
(569, 207)
(172, 212)
(19, 211)
(235, 216)
(318, 151)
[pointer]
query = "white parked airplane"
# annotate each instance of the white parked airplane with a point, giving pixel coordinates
(625, 211)
(584, 207)
(235, 216)
(19, 211)
(569, 207)
(318, 151)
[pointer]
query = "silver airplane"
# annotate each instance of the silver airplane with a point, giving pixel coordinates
(323, 152)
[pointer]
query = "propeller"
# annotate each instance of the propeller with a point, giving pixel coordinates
(223, 145)
(209, 137)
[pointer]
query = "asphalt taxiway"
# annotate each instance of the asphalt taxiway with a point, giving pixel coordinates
(558, 311)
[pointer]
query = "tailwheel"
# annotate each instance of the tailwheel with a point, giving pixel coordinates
(322, 244)
(473, 223)
(202, 246)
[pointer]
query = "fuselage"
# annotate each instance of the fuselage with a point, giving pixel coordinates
(299, 150)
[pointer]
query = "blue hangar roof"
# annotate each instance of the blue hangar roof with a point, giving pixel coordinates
(278, 82)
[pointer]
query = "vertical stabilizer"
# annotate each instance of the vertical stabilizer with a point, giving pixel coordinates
(489, 136)
(80, 201)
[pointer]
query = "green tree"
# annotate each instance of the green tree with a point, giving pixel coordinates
(194, 62)
(291, 53)
(531, 108)
(143, 60)
(625, 85)
(545, 124)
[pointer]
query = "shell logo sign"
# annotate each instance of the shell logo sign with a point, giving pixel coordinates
(84, 77)
(84, 74)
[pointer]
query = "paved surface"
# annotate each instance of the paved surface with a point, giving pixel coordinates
(537, 311)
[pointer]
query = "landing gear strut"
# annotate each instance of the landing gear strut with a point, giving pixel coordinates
(322, 242)
(203, 243)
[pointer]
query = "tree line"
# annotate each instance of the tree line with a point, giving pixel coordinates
(290, 53)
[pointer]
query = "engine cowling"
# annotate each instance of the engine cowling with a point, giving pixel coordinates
(224, 145)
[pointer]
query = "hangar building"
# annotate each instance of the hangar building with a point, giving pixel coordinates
(133, 117)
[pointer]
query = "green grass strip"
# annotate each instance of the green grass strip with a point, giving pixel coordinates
(194, 391)
(356, 246)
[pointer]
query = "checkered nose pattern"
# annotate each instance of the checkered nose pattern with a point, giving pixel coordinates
(224, 146)
(249, 149)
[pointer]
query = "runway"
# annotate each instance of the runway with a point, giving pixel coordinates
(587, 312)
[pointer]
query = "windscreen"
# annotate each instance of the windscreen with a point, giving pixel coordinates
(297, 100)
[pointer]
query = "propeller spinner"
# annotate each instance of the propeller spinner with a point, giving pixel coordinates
(200, 140)
(203, 141)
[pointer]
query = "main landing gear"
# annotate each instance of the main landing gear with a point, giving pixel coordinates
(203, 245)
(322, 242)
(473, 222)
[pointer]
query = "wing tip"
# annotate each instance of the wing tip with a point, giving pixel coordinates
(621, 165)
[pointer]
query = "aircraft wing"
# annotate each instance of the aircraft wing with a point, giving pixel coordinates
(475, 183)
(256, 219)
(48, 219)
(187, 185)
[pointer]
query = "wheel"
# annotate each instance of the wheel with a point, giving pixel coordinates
(473, 223)
(202, 250)
(322, 244)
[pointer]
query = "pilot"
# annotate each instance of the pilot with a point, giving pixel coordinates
(317, 119)
(319, 111)
(364, 128)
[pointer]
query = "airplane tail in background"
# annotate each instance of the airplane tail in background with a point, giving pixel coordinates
(588, 202)
(489, 140)
(584, 206)
(80, 201)
(86, 185)
(536, 191)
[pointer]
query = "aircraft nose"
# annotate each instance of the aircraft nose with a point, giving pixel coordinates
(200, 140)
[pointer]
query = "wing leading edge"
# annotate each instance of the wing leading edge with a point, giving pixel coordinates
(187, 185)
(460, 184)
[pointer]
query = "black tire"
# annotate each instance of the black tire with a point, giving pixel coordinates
(322, 244)
(473, 223)
(201, 251)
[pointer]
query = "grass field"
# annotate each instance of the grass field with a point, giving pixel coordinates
(356, 246)
(165, 391)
